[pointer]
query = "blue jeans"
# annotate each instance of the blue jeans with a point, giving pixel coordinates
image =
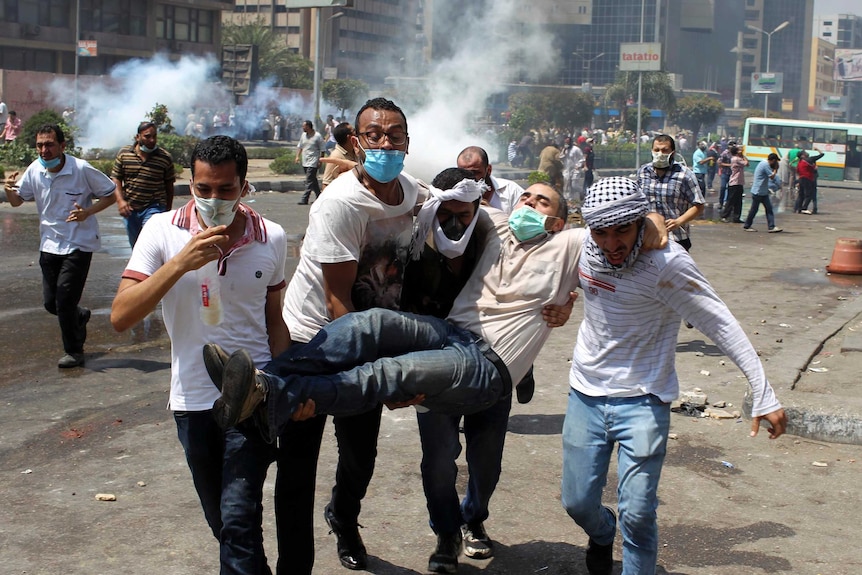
(701, 182)
(366, 358)
(485, 434)
(639, 425)
(228, 471)
(63, 279)
(756, 201)
(137, 218)
(725, 181)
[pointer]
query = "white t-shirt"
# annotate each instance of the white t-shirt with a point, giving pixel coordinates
(503, 299)
(4, 113)
(626, 344)
(56, 194)
(349, 223)
(251, 269)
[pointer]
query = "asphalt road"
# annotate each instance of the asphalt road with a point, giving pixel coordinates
(785, 506)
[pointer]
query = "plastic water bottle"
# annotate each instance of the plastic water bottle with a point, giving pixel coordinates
(210, 294)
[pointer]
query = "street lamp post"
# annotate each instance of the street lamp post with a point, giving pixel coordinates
(317, 62)
(781, 26)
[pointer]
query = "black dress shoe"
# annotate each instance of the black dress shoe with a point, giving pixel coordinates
(525, 388)
(351, 550)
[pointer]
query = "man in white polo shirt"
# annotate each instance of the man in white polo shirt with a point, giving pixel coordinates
(217, 266)
(63, 188)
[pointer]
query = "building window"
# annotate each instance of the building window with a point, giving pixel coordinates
(46, 13)
(184, 24)
(126, 17)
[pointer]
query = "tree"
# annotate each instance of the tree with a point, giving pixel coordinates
(274, 58)
(159, 116)
(570, 111)
(693, 112)
(656, 92)
(345, 93)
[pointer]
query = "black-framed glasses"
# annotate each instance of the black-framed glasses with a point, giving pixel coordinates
(375, 137)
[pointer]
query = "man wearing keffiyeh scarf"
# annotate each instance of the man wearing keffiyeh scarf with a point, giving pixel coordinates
(623, 376)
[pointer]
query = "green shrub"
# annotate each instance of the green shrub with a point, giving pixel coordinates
(286, 164)
(264, 153)
(103, 166)
(17, 155)
(538, 177)
(179, 147)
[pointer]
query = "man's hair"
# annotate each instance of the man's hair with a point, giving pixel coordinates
(13, 113)
(341, 133)
(52, 129)
(308, 123)
(380, 104)
(447, 179)
(665, 138)
(145, 126)
(562, 206)
(470, 151)
(217, 150)
(772, 156)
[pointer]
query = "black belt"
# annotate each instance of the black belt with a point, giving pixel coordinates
(492, 356)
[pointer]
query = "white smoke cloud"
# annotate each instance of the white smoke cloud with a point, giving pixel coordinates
(494, 47)
(109, 111)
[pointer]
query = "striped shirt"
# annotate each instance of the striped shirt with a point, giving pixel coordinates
(144, 182)
(626, 344)
(672, 194)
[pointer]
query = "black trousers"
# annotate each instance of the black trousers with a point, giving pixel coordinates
(63, 279)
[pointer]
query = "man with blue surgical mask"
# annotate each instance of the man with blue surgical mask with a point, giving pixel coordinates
(353, 258)
(63, 188)
(144, 175)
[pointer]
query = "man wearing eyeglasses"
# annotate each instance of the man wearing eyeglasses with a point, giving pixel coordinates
(353, 258)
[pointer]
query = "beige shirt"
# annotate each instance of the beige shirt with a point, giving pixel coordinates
(503, 299)
(333, 170)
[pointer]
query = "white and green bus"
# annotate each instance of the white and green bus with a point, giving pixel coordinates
(840, 144)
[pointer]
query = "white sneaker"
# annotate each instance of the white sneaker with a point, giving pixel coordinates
(477, 544)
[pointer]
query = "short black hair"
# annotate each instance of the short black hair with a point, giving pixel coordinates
(341, 133)
(772, 156)
(380, 104)
(308, 123)
(447, 179)
(665, 138)
(52, 129)
(217, 150)
(145, 126)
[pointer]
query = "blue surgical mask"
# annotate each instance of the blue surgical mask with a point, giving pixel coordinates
(383, 165)
(50, 164)
(527, 224)
(216, 212)
(147, 150)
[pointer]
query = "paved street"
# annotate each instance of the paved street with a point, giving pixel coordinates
(67, 435)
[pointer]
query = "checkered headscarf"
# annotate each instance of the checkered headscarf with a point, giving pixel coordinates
(613, 202)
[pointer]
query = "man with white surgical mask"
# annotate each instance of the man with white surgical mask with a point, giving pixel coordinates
(672, 189)
(214, 254)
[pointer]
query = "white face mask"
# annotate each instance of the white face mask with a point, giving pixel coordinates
(216, 212)
(660, 160)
